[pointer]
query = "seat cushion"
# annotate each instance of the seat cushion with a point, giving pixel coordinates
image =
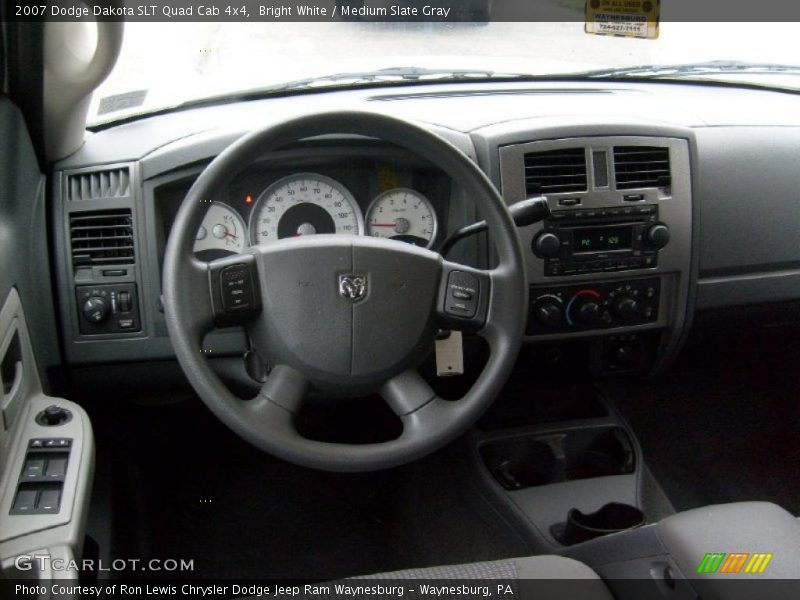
(540, 577)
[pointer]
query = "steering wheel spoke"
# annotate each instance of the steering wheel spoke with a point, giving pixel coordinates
(192, 282)
(463, 299)
(407, 392)
(285, 387)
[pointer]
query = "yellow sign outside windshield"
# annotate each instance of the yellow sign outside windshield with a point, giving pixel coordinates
(624, 18)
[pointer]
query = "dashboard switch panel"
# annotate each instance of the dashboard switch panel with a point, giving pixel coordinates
(603, 305)
(104, 309)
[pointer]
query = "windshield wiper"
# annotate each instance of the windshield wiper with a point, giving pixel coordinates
(714, 67)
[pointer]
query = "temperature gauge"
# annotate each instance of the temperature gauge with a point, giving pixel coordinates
(403, 215)
(222, 233)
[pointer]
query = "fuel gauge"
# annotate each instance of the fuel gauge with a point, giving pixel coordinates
(222, 233)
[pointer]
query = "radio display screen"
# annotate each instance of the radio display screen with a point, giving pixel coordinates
(601, 239)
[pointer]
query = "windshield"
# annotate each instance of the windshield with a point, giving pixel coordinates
(163, 65)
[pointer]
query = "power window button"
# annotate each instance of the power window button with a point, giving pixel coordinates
(34, 468)
(49, 501)
(56, 468)
(25, 501)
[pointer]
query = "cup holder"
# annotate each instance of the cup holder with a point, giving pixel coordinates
(524, 461)
(611, 518)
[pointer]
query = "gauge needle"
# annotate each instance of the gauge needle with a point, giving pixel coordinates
(230, 235)
(384, 224)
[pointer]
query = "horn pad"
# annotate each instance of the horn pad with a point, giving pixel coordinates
(347, 312)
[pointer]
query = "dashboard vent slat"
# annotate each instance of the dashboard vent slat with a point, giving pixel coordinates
(641, 166)
(555, 171)
(102, 237)
(96, 185)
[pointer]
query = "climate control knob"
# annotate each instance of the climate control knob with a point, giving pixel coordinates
(548, 312)
(657, 236)
(625, 308)
(546, 245)
(95, 309)
(590, 313)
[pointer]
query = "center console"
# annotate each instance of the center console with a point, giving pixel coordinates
(614, 257)
(610, 275)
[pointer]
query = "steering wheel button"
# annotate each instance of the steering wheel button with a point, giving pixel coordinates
(462, 294)
(237, 288)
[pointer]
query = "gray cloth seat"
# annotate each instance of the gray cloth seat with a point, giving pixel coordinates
(540, 577)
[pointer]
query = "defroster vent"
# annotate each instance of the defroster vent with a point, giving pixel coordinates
(94, 185)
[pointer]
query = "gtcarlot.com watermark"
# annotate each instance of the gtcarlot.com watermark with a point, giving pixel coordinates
(44, 563)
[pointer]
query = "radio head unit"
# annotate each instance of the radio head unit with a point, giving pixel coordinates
(597, 240)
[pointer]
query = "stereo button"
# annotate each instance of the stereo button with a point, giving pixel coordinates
(546, 245)
(657, 236)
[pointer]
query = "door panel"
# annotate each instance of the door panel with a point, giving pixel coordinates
(46, 458)
(24, 262)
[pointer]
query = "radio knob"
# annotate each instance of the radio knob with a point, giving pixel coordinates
(546, 245)
(95, 309)
(548, 312)
(625, 308)
(590, 313)
(657, 236)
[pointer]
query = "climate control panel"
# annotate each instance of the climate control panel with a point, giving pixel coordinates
(581, 307)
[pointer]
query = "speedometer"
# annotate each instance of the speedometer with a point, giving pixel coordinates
(304, 204)
(403, 215)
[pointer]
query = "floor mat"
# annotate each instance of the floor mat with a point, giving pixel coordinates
(173, 482)
(722, 425)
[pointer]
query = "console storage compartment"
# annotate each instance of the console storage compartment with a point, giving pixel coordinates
(527, 460)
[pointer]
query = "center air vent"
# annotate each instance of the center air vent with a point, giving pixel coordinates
(555, 171)
(102, 238)
(93, 185)
(641, 167)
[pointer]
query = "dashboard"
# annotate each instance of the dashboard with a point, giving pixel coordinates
(649, 184)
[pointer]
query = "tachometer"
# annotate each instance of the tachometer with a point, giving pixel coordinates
(221, 233)
(304, 204)
(404, 215)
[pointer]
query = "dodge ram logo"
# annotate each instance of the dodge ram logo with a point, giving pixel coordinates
(353, 287)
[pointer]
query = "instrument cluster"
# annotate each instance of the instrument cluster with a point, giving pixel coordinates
(312, 203)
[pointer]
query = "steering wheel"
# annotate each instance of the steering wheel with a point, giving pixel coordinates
(344, 315)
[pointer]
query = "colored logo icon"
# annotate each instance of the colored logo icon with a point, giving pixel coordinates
(734, 563)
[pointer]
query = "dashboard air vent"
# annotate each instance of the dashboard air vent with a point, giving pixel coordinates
(641, 167)
(555, 171)
(102, 237)
(93, 185)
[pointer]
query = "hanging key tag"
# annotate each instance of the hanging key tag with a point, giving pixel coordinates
(450, 355)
